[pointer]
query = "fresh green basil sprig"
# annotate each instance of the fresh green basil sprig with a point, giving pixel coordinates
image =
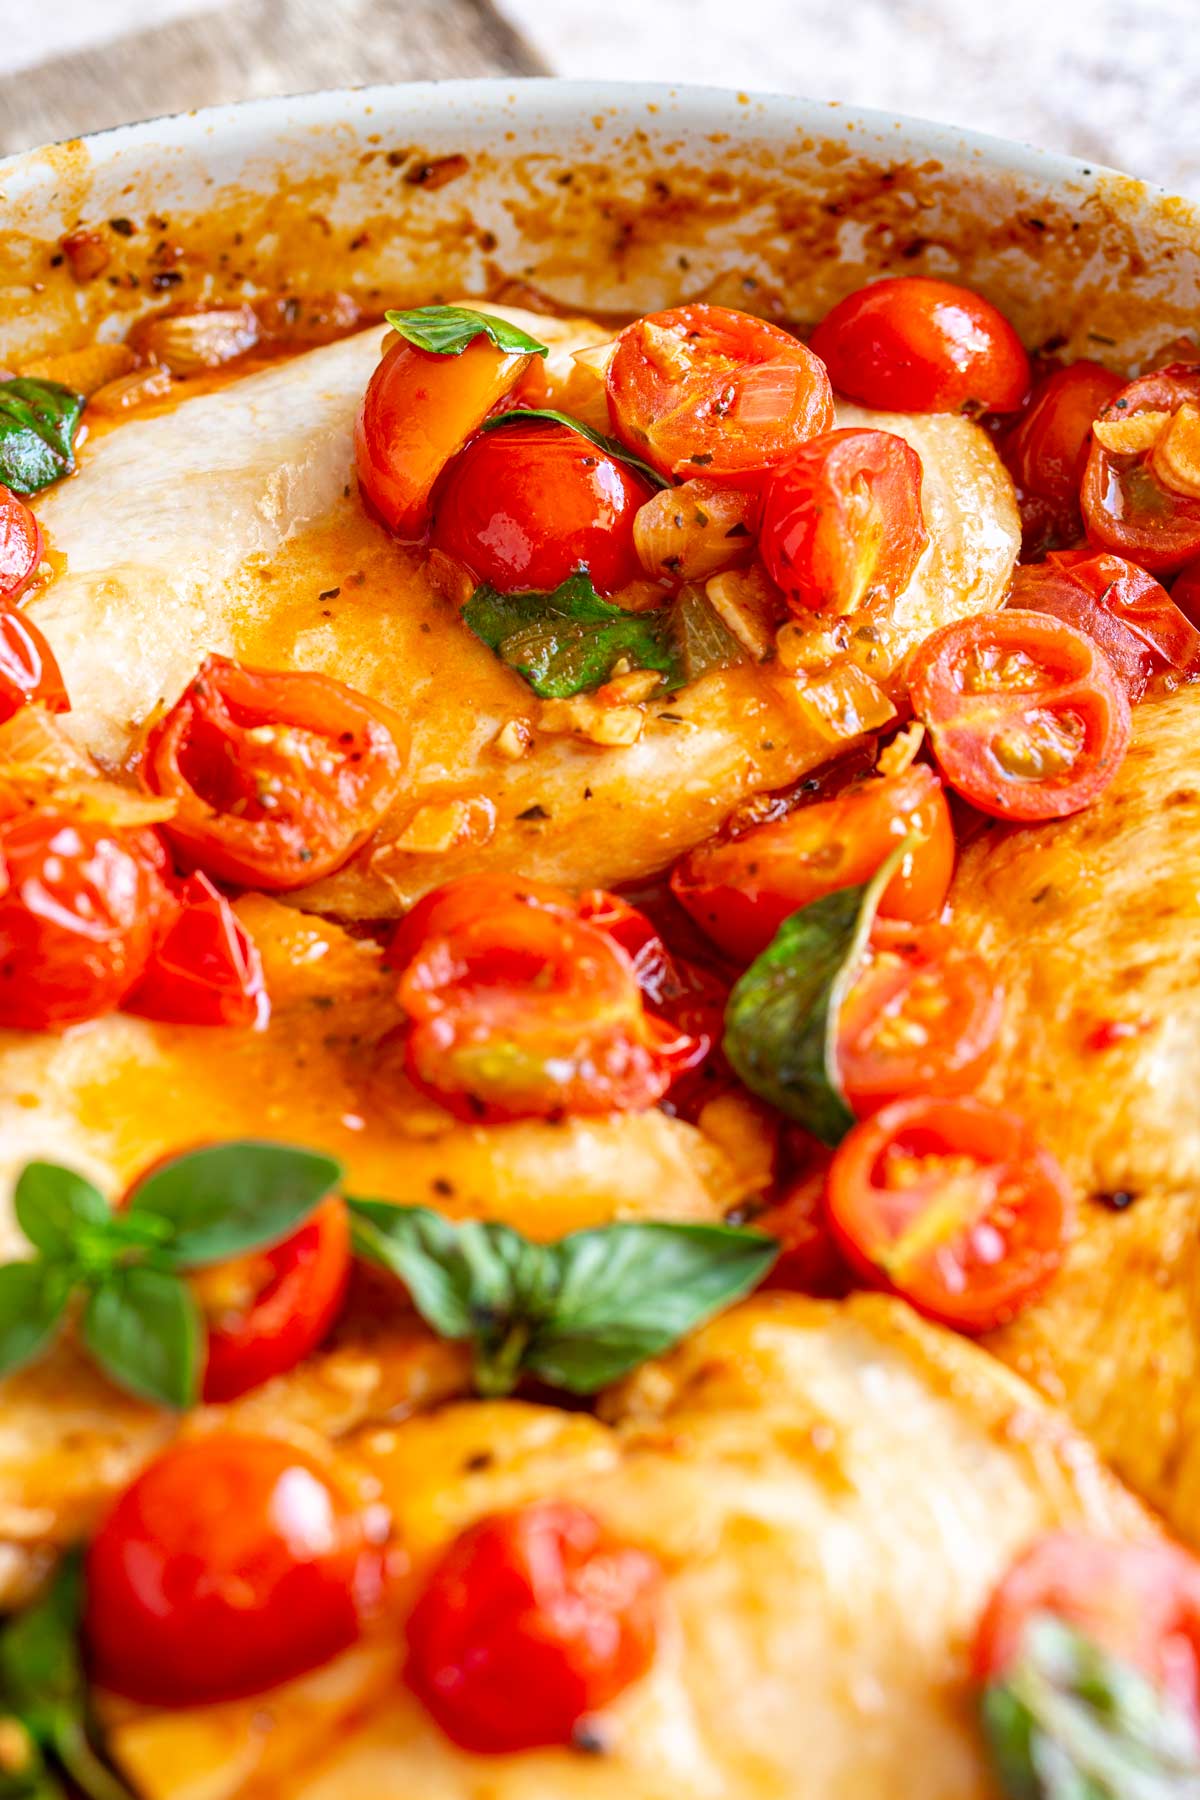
(125, 1270)
(611, 446)
(38, 421)
(576, 1314)
(447, 330)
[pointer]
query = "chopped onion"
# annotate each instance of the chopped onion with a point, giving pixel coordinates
(694, 530)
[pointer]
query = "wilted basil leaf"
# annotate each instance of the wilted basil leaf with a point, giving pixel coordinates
(228, 1199)
(569, 642)
(447, 330)
(38, 421)
(611, 446)
(702, 640)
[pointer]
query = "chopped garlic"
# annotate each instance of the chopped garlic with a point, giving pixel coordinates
(747, 603)
(582, 717)
(514, 739)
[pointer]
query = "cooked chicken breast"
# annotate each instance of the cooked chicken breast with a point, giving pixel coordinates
(832, 1491)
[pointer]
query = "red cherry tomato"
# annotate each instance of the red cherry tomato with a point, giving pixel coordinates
(525, 506)
(28, 669)
(809, 1261)
(1027, 716)
(530, 1621)
(1126, 611)
(842, 524)
(21, 547)
(231, 1564)
(205, 969)
(79, 909)
(952, 1205)
(922, 1016)
(1047, 450)
(1128, 504)
(278, 776)
(418, 409)
(740, 890)
(913, 344)
(700, 390)
(1185, 592)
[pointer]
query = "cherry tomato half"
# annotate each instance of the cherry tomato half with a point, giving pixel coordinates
(952, 1205)
(913, 344)
(741, 889)
(1129, 614)
(842, 524)
(922, 1017)
(28, 669)
(418, 409)
(20, 545)
(205, 969)
(232, 1563)
(1046, 451)
(278, 776)
(809, 1261)
(531, 1620)
(1129, 502)
(526, 505)
(1027, 716)
(701, 390)
(1185, 592)
(79, 909)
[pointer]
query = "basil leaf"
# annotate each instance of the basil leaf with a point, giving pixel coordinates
(143, 1328)
(228, 1199)
(611, 446)
(702, 640)
(569, 642)
(33, 1299)
(447, 330)
(1069, 1721)
(421, 1247)
(781, 1023)
(52, 1203)
(38, 421)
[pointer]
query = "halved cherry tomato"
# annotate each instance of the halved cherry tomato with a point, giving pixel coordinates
(1027, 716)
(1129, 502)
(842, 524)
(922, 1016)
(232, 1563)
(526, 505)
(1129, 614)
(28, 668)
(205, 969)
(266, 1313)
(1185, 592)
(20, 544)
(741, 889)
(1046, 451)
(701, 390)
(953, 1205)
(528, 1622)
(418, 409)
(80, 905)
(1138, 1601)
(278, 775)
(809, 1261)
(919, 345)
(517, 1008)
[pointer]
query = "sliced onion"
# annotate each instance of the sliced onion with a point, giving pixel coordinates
(692, 531)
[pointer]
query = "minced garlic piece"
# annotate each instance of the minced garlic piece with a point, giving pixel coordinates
(582, 717)
(514, 739)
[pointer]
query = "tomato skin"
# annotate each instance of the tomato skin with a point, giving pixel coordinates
(1185, 592)
(418, 409)
(842, 524)
(29, 670)
(1016, 1209)
(740, 890)
(231, 1564)
(809, 1261)
(987, 686)
(293, 1314)
(1046, 451)
(530, 1621)
(527, 505)
(702, 390)
(203, 756)
(1125, 610)
(1125, 507)
(21, 547)
(79, 911)
(204, 969)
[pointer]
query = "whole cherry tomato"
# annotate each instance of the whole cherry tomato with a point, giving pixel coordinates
(1126, 611)
(1027, 716)
(701, 390)
(953, 1205)
(913, 344)
(21, 547)
(1144, 502)
(1047, 450)
(418, 409)
(231, 1564)
(530, 1621)
(741, 889)
(204, 969)
(526, 505)
(80, 904)
(278, 776)
(28, 669)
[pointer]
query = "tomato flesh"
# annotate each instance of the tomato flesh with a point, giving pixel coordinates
(1027, 716)
(842, 525)
(913, 344)
(530, 1621)
(1125, 610)
(21, 547)
(28, 668)
(702, 390)
(952, 1205)
(1046, 451)
(231, 1564)
(278, 776)
(204, 969)
(1127, 506)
